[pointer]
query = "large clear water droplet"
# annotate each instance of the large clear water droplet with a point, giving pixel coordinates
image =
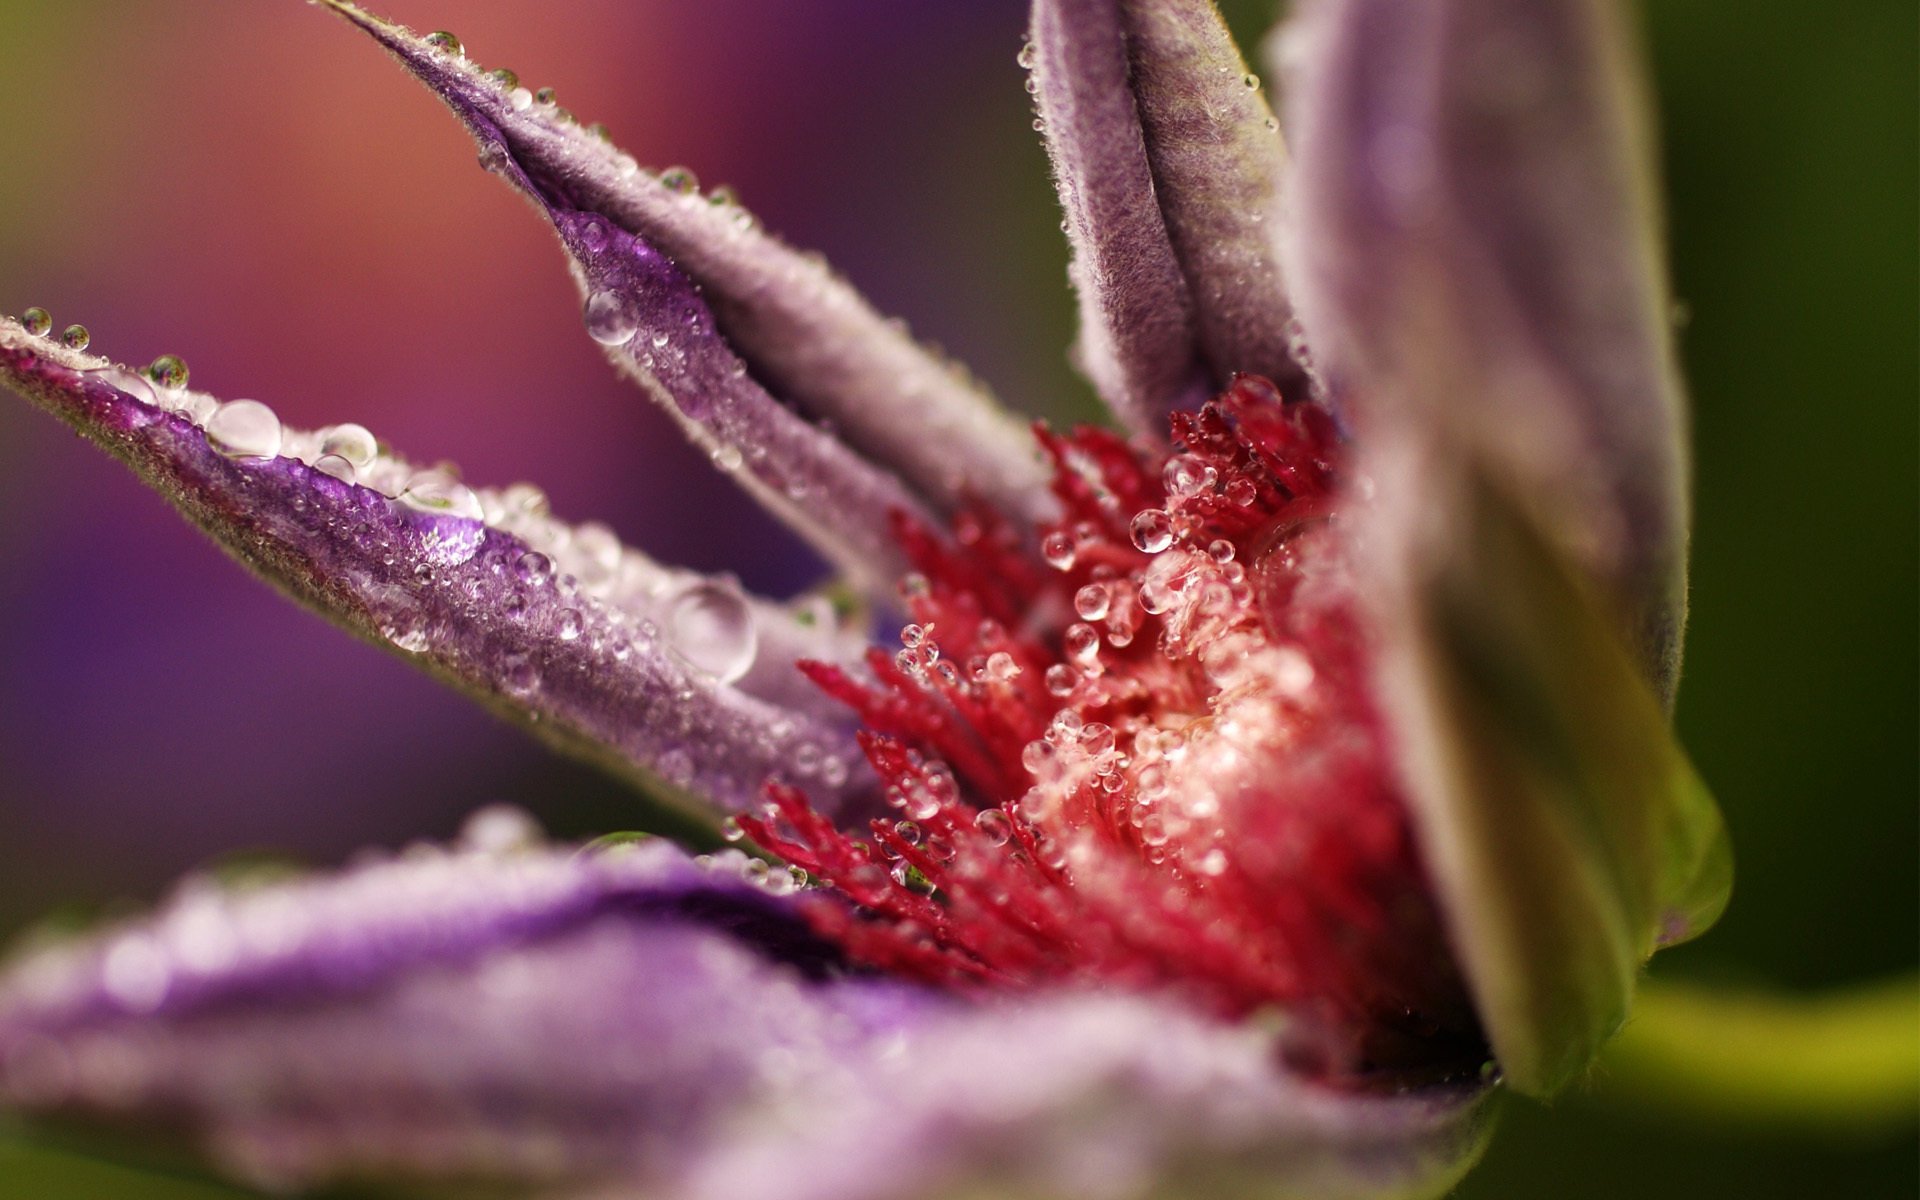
(244, 429)
(441, 494)
(355, 443)
(608, 321)
(36, 321)
(712, 628)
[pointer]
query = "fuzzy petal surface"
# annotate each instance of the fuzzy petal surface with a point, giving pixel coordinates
(450, 578)
(807, 336)
(517, 1012)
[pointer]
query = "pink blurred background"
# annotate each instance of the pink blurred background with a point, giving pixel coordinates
(255, 187)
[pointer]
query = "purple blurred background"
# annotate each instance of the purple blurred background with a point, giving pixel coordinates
(254, 187)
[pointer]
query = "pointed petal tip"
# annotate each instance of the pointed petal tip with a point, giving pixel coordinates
(606, 655)
(810, 338)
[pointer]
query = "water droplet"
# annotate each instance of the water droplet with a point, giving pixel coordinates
(1060, 679)
(679, 179)
(355, 443)
(519, 676)
(1029, 54)
(567, 627)
(1057, 549)
(36, 321)
(444, 42)
(506, 78)
(608, 321)
(1001, 668)
(1092, 601)
(1242, 492)
(731, 831)
(534, 567)
(338, 466)
(544, 95)
(712, 628)
(1152, 531)
(244, 429)
(593, 235)
(519, 99)
(1082, 643)
(1220, 550)
(75, 337)
(434, 491)
(407, 631)
(994, 825)
(1252, 81)
(1186, 476)
(727, 457)
(168, 371)
(912, 635)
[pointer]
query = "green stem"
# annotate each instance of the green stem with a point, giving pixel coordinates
(1843, 1062)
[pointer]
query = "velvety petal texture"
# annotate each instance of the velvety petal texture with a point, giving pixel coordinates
(1168, 164)
(1474, 247)
(499, 1010)
(806, 336)
(624, 663)
(1098, 1098)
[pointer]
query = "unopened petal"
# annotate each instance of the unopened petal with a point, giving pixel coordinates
(1475, 249)
(1567, 834)
(1217, 164)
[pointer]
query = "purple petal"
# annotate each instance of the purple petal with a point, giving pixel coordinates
(1137, 338)
(628, 666)
(1167, 162)
(519, 1014)
(1476, 253)
(1217, 160)
(807, 335)
(1075, 1096)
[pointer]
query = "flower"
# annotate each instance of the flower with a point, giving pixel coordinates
(1251, 788)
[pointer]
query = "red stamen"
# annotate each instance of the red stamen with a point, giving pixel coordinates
(1153, 762)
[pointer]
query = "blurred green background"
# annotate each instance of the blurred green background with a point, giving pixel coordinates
(246, 185)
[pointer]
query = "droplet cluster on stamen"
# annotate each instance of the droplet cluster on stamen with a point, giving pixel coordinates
(1148, 756)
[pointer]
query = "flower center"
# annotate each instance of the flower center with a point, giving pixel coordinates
(1148, 757)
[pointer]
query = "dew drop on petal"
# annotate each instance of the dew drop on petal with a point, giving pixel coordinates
(1092, 601)
(244, 429)
(520, 99)
(36, 321)
(338, 466)
(75, 337)
(169, 371)
(505, 77)
(608, 321)
(355, 443)
(444, 42)
(567, 626)
(712, 628)
(679, 179)
(534, 567)
(994, 825)
(437, 492)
